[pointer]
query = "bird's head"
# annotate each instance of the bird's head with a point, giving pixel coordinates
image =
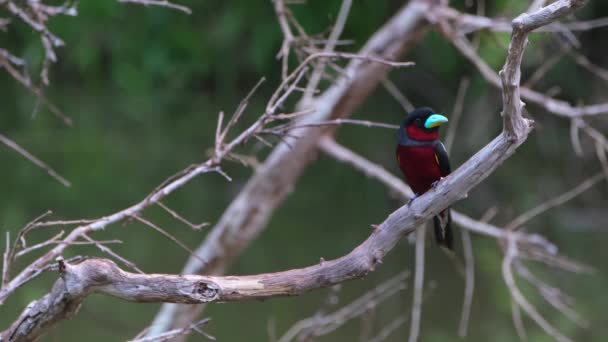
(423, 124)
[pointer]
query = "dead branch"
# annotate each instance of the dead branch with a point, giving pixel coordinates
(160, 3)
(554, 202)
(323, 324)
(418, 284)
(469, 262)
(27, 155)
(319, 69)
(520, 300)
(177, 332)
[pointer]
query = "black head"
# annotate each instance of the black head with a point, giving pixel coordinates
(418, 118)
(421, 124)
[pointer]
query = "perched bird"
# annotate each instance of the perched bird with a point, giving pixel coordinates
(424, 161)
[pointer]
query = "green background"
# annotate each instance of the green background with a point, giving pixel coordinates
(144, 86)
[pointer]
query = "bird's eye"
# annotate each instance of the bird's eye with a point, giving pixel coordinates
(418, 121)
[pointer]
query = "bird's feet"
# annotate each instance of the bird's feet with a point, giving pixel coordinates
(434, 184)
(409, 203)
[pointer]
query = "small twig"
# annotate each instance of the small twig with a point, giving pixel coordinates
(469, 263)
(161, 3)
(456, 113)
(319, 69)
(518, 297)
(575, 136)
(5, 256)
(288, 37)
(15, 147)
(169, 236)
(113, 254)
(177, 332)
(239, 111)
(336, 122)
(39, 245)
(554, 202)
(552, 295)
(518, 322)
(418, 284)
(10, 253)
(322, 324)
(392, 89)
(388, 329)
(601, 156)
(61, 223)
(182, 219)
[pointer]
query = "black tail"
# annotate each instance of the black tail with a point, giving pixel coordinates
(443, 229)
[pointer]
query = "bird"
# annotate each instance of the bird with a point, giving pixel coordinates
(424, 161)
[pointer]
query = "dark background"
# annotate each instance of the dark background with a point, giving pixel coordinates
(144, 86)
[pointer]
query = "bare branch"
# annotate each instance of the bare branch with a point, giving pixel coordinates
(418, 284)
(177, 332)
(15, 147)
(167, 235)
(456, 113)
(554, 202)
(319, 69)
(326, 323)
(161, 3)
(469, 288)
(181, 219)
(552, 295)
(392, 89)
(520, 300)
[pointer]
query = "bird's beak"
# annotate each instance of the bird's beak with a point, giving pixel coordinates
(435, 120)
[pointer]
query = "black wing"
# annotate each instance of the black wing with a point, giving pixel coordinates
(442, 159)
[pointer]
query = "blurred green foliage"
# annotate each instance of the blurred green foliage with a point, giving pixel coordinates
(144, 86)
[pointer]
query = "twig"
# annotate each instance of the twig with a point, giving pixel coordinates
(575, 138)
(518, 322)
(11, 252)
(5, 256)
(392, 89)
(288, 37)
(110, 252)
(15, 147)
(336, 122)
(324, 324)
(168, 236)
(390, 328)
(161, 3)
(469, 263)
(50, 241)
(418, 284)
(178, 332)
(319, 69)
(554, 202)
(552, 295)
(456, 113)
(182, 219)
(520, 300)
